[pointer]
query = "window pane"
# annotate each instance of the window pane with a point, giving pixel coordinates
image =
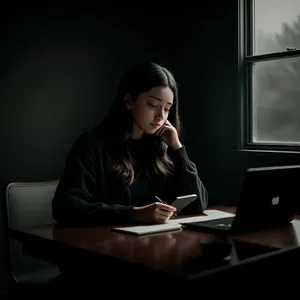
(276, 25)
(276, 101)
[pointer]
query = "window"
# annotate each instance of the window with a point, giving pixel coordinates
(270, 74)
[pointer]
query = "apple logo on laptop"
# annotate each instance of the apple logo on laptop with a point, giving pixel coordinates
(275, 200)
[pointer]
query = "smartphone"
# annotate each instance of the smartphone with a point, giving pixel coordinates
(182, 201)
(190, 197)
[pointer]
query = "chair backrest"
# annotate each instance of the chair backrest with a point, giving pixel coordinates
(28, 204)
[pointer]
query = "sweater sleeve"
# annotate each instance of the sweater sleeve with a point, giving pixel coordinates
(73, 202)
(186, 181)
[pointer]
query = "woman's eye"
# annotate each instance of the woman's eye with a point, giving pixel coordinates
(152, 105)
(167, 110)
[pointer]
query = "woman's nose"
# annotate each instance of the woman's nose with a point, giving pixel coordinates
(159, 115)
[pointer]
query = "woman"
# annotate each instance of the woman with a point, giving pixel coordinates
(113, 172)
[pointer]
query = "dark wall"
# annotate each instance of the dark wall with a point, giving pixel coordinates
(59, 74)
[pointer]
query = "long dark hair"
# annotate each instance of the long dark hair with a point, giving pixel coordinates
(138, 79)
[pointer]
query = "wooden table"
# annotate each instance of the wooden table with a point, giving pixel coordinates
(175, 256)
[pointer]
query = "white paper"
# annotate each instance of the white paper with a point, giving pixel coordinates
(147, 229)
(173, 224)
(211, 214)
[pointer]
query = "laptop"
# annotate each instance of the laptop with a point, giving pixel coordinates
(269, 197)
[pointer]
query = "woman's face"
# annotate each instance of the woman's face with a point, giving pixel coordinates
(150, 110)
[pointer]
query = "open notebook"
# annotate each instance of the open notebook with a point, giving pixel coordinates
(172, 224)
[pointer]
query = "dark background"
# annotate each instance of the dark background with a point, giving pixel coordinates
(61, 66)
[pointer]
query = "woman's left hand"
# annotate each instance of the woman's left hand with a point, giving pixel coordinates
(169, 135)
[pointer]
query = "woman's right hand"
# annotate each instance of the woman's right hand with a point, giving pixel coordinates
(153, 213)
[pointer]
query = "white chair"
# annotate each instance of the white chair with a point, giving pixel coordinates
(29, 204)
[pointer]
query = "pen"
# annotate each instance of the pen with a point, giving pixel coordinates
(164, 203)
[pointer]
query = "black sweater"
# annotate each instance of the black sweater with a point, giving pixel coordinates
(88, 194)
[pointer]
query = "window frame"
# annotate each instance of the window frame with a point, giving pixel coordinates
(245, 60)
